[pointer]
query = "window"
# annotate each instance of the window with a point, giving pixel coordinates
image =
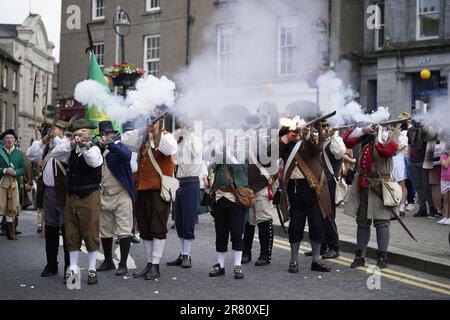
(287, 45)
(98, 9)
(14, 117)
(225, 34)
(14, 83)
(151, 55)
(379, 33)
(5, 77)
(3, 124)
(428, 12)
(153, 5)
(99, 51)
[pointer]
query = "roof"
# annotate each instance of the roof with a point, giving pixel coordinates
(8, 30)
(5, 54)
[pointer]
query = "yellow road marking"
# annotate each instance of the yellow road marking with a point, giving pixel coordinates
(387, 270)
(387, 273)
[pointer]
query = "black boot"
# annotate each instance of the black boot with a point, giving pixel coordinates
(382, 259)
(154, 272)
(10, 231)
(249, 234)
(144, 272)
(3, 230)
(359, 260)
(51, 250)
(108, 263)
(66, 250)
(265, 232)
(177, 262)
(125, 244)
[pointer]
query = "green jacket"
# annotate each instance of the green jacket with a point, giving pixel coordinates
(238, 173)
(17, 160)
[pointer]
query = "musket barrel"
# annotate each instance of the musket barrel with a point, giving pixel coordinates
(324, 117)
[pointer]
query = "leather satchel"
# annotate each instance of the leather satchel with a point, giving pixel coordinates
(169, 185)
(341, 186)
(392, 193)
(245, 197)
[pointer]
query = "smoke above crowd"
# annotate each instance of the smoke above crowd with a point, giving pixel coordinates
(435, 120)
(150, 92)
(230, 77)
(334, 95)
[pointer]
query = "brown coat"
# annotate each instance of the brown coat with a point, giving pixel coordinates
(311, 153)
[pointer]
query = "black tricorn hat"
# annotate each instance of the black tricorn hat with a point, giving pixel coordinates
(9, 131)
(105, 127)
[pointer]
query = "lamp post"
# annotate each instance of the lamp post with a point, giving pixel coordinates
(122, 26)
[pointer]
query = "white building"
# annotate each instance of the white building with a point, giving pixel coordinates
(28, 43)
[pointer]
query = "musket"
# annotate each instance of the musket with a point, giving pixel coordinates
(35, 95)
(324, 117)
(392, 210)
(390, 122)
(345, 127)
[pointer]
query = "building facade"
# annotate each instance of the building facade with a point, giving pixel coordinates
(292, 38)
(29, 45)
(414, 35)
(9, 91)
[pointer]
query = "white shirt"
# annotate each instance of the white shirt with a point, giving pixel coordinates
(93, 156)
(203, 174)
(35, 153)
(189, 157)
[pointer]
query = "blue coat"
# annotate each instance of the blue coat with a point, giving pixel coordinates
(118, 161)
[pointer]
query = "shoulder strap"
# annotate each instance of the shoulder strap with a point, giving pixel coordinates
(260, 167)
(308, 174)
(291, 157)
(226, 170)
(153, 160)
(61, 167)
(327, 159)
(4, 156)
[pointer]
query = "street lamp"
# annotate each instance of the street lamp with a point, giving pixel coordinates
(122, 26)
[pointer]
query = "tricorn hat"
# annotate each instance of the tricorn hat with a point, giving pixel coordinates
(82, 124)
(59, 123)
(105, 127)
(5, 133)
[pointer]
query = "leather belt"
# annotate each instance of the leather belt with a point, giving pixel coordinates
(225, 189)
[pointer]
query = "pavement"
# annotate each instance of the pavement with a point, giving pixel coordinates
(431, 252)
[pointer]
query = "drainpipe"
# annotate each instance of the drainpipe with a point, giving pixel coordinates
(188, 27)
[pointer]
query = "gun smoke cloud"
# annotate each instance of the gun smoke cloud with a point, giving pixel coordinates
(334, 95)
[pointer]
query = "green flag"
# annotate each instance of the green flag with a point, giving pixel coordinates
(95, 113)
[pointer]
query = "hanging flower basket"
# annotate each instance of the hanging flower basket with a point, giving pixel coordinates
(126, 79)
(124, 74)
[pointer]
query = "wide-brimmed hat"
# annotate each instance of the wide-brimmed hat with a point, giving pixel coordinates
(404, 115)
(82, 124)
(59, 123)
(5, 133)
(105, 127)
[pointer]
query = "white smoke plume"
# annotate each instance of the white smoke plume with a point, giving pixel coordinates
(93, 93)
(334, 95)
(150, 92)
(254, 59)
(436, 119)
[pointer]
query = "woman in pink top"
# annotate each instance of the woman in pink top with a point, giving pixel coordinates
(445, 184)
